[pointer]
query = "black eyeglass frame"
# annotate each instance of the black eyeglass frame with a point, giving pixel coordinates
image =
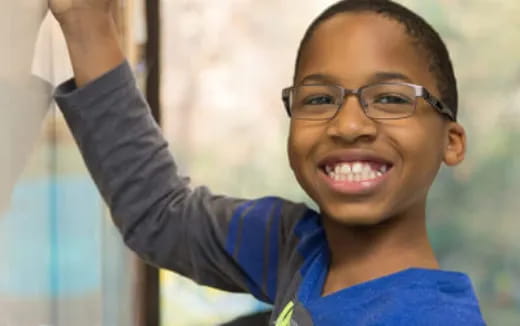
(420, 91)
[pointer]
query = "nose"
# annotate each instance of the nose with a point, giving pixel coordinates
(351, 124)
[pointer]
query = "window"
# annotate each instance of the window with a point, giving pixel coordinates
(62, 261)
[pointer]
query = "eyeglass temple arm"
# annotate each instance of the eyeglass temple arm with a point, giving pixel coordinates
(438, 105)
(286, 93)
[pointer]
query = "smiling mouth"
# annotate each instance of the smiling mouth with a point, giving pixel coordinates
(356, 171)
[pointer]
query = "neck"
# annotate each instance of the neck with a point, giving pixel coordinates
(363, 253)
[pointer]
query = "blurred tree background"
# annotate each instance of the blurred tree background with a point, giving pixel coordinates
(225, 63)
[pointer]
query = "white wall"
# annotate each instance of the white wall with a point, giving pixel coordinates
(24, 98)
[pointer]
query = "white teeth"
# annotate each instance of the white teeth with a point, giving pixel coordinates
(354, 171)
(345, 168)
(357, 167)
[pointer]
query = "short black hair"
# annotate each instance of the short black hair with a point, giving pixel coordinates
(417, 28)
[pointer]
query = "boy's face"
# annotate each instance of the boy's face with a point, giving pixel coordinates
(353, 50)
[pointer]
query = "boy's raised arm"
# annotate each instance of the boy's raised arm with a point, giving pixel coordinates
(224, 242)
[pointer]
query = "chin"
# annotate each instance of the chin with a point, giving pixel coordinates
(354, 216)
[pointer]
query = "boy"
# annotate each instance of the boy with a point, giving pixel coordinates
(368, 133)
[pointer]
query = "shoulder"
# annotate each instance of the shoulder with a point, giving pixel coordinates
(260, 238)
(441, 298)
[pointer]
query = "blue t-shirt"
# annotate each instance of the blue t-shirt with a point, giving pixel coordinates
(414, 296)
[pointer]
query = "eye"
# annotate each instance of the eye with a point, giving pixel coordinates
(319, 100)
(392, 99)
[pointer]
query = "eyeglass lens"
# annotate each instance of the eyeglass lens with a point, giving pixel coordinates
(379, 101)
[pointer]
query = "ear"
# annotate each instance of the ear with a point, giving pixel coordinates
(455, 144)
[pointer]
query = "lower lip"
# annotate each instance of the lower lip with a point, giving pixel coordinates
(353, 187)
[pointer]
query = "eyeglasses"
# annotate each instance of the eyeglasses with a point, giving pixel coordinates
(381, 101)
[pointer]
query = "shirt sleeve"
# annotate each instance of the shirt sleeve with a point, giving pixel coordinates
(228, 243)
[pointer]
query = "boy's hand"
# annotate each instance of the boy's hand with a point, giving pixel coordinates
(91, 34)
(63, 9)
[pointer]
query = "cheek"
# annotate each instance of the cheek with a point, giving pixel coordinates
(421, 148)
(301, 145)
(296, 145)
(303, 142)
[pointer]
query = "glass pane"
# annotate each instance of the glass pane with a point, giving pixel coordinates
(61, 261)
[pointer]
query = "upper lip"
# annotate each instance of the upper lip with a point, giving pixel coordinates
(353, 155)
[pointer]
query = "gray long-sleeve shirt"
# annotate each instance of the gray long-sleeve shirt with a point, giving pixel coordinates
(190, 231)
(270, 247)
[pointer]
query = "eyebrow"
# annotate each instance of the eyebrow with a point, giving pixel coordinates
(320, 78)
(381, 76)
(388, 75)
